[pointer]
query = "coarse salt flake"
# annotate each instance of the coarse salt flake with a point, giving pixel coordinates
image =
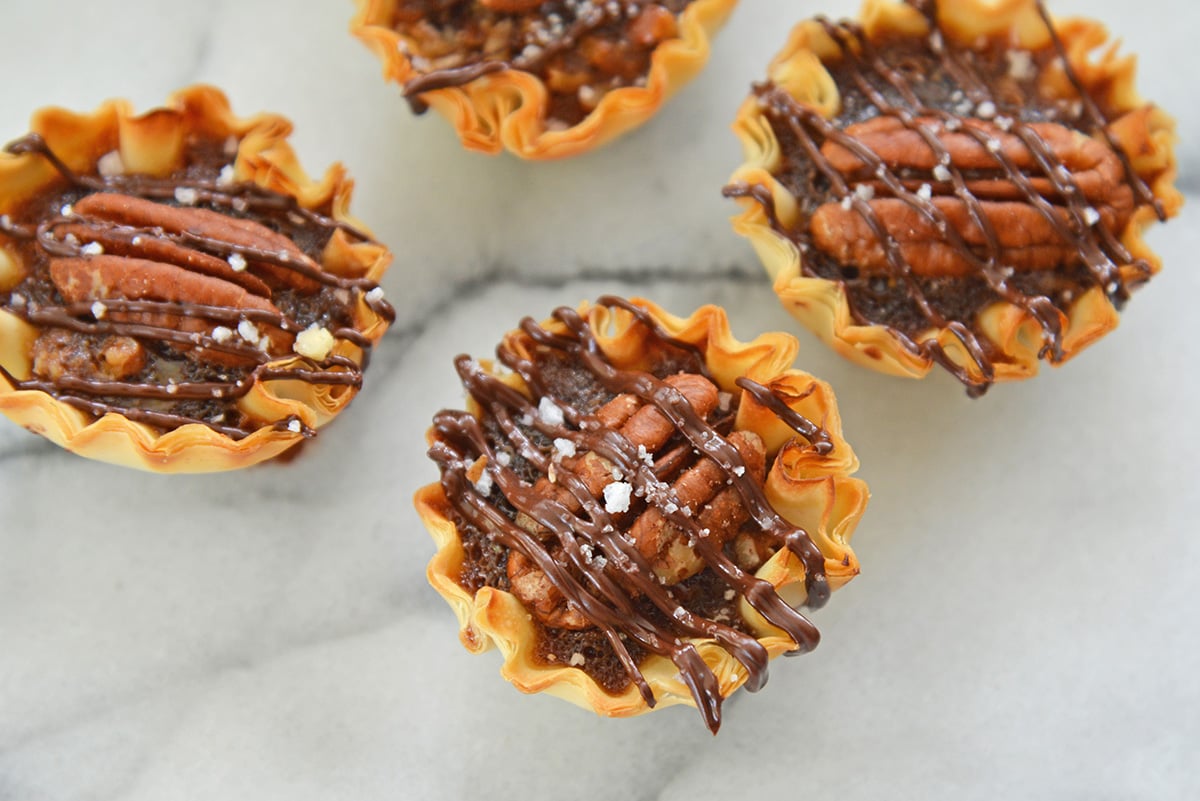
(864, 191)
(99, 310)
(293, 426)
(549, 412)
(1020, 64)
(616, 497)
(564, 447)
(225, 178)
(92, 249)
(237, 261)
(375, 295)
(986, 110)
(222, 334)
(248, 331)
(578, 659)
(925, 192)
(186, 196)
(941, 173)
(1091, 216)
(314, 342)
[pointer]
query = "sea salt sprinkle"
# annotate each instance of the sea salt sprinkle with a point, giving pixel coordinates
(186, 196)
(616, 497)
(549, 412)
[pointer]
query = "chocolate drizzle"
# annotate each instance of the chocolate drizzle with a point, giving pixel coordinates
(539, 39)
(206, 394)
(598, 568)
(874, 81)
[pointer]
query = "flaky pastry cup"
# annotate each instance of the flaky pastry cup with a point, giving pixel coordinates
(814, 491)
(508, 109)
(1144, 132)
(156, 143)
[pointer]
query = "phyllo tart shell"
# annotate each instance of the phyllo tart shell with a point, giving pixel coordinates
(176, 293)
(634, 506)
(931, 185)
(571, 88)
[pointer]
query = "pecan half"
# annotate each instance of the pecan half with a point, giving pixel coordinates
(976, 193)
(147, 264)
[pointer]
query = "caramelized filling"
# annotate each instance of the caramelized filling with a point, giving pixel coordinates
(580, 49)
(621, 507)
(955, 102)
(166, 298)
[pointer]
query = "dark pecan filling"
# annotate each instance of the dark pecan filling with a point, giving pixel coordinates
(580, 49)
(166, 298)
(948, 181)
(621, 507)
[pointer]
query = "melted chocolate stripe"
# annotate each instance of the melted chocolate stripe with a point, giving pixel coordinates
(602, 527)
(528, 55)
(82, 317)
(1100, 250)
(1040, 308)
(676, 408)
(604, 589)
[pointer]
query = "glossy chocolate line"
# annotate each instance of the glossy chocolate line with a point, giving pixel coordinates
(675, 407)
(606, 588)
(1040, 307)
(162, 420)
(1098, 247)
(1145, 195)
(449, 77)
(797, 117)
(81, 317)
(453, 76)
(244, 195)
(612, 446)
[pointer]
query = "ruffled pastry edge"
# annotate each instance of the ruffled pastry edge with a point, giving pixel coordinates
(153, 143)
(814, 491)
(507, 110)
(1146, 133)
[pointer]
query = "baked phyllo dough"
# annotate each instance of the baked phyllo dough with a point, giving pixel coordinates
(959, 183)
(176, 294)
(634, 506)
(546, 79)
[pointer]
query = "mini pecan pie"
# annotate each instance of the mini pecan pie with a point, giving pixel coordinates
(635, 504)
(175, 293)
(542, 79)
(961, 183)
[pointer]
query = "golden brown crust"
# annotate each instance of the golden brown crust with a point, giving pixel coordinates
(153, 143)
(1144, 132)
(508, 109)
(809, 489)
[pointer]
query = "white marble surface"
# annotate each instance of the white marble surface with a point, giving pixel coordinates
(1025, 625)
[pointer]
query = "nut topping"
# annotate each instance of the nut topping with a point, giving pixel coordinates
(171, 314)
(954, 188)
(997, 168)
